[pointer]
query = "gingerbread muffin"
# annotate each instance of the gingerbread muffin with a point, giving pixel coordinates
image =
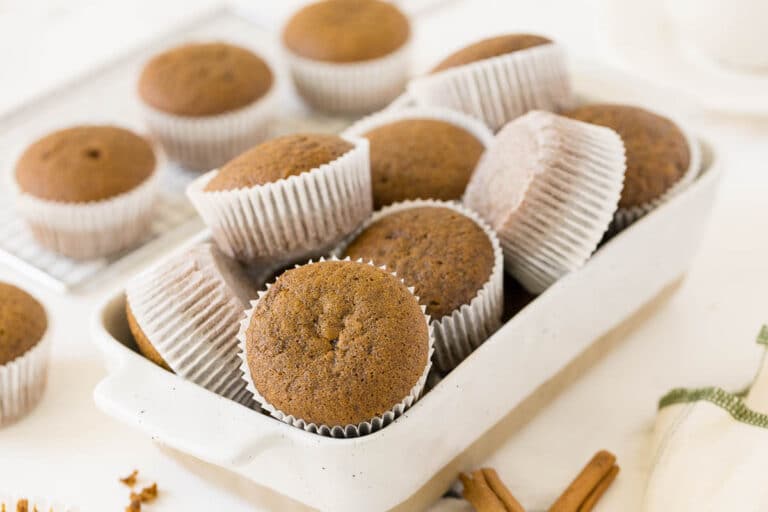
(445, 255)
(23, 352)
(87, 191)
(348, 56)
(659, 156)
(413, 158)
(186, 311)
(278, 159)
(498, 79)
(287, 199)
(452, 259)
(489, 48)
(207, 102)
(336, 347)
(549, 186)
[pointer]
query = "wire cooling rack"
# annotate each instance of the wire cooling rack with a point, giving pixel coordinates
(107, 96)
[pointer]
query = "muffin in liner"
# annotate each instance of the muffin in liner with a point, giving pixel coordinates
(500, 88)
(550, 187)
(624, 217)
(189, 308)
(292, 218)
(405, 112)
(339, 431)
(14, 503)
(92, 229)
(457, 335)
(206, 142)
(351, 87)
(23, 381)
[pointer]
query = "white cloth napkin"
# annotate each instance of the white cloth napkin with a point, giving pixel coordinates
(710, 449)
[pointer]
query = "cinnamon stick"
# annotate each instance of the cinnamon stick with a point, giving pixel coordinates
(479, 493)
(599, 490)
(583, 485)
(487, 493)
(501, 491)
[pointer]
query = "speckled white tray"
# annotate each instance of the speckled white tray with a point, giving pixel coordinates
(418, 456)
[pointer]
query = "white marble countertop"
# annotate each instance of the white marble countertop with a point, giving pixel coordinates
(702, 335)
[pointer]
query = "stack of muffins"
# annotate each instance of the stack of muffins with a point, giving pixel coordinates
(347, 269)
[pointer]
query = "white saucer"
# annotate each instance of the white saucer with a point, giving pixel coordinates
(645, 43)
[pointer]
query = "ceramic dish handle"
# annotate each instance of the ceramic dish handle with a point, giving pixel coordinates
(173, 412)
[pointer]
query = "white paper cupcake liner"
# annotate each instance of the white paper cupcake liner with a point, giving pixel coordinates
(37, 504)
(570, 196)
(353, 87)
(457, 335)
(501, 88)
(23, 381)
(293, 218)
(93, 229)
(206, 142)
(624, 217)
(392, 115)
(339, 431)
(190, 308)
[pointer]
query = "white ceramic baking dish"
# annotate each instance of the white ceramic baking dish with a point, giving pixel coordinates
(384, 469)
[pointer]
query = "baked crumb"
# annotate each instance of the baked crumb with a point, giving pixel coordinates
(22, 506)
(148, 494)
(130, 480)
(134, 505)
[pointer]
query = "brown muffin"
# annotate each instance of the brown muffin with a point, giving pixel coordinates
(205, 79)
(421, 159)
(145, 346)
(446, 256)
(657, 151)
(346, 30)
(336, 343)
(277, 159)
(23, 322)
(491, 47)
(85, 163)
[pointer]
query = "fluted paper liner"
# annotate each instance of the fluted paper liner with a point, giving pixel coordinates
(189, 308)
(92, 229)
(501, 88)
(351, 87)
(297, 217)
(624, 217)
(391, 115)
(23, 381)
(458, 334)
(345, 431)
(569, 193)
(205, 142)
(35, 504)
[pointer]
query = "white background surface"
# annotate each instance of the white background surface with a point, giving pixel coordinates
(69, 450)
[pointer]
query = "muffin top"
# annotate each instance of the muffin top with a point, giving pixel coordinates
(337, 343)
(346, 30)
(491, 47)
(23, 322)
(277, 159)
(421, 159)
(85, 163)
(204, 79)
(445, 255)
(657, 151)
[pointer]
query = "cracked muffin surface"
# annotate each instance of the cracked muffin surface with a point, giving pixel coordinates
(445, 255)
(336, 343)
